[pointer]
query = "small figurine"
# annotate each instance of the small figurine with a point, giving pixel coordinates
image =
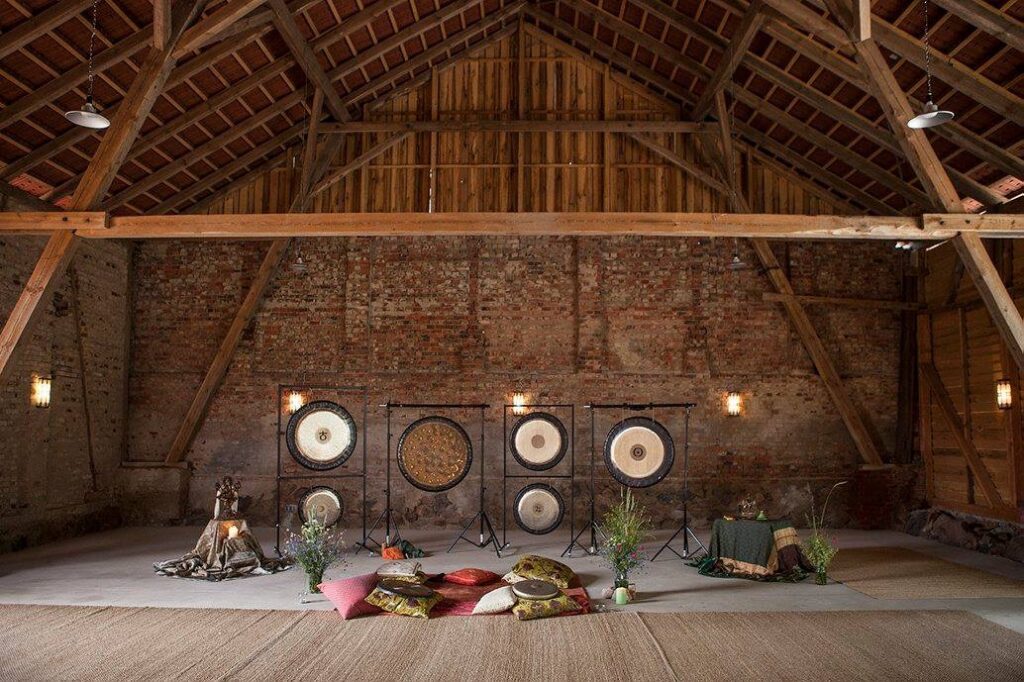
(226, 506)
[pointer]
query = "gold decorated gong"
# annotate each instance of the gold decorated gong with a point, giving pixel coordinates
(434, 454)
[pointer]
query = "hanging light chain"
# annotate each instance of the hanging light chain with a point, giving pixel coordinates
(927, 54)
(92, 45)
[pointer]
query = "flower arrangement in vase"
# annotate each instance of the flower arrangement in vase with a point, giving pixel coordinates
(819, 548)
(625, 526)
(315, 548)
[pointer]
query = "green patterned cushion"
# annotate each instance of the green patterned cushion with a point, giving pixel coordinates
(533, 567)
(528, 609)
(418, 607)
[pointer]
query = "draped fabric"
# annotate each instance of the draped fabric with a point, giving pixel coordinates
(754, 549)
(217, 556)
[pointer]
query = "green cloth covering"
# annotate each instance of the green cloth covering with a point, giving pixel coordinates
(750, 549)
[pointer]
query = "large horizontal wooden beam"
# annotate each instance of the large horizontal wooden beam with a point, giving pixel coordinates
(516, 126)
(929, 227)
(39, 222)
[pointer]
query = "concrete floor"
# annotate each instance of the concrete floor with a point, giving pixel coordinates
(115, 569)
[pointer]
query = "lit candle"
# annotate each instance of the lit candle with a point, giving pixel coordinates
(232, 532)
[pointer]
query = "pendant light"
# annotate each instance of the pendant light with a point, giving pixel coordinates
(89, 116)
(930, 116)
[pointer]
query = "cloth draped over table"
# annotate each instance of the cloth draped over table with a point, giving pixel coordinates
(217, 556)
(762, 550)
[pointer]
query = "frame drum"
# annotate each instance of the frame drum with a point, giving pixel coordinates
(321, 502)
(539, 441)
(639, 452)
(321, 435)
(538, 508)
(434, 454)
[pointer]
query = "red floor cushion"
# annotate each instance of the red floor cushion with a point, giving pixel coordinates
(349, 595)
(471, 576)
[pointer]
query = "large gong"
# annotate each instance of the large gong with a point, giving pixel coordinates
(321, 503)
(434, 454)
(538, 508)
(639, 452)
(321, 435)
(539, 441)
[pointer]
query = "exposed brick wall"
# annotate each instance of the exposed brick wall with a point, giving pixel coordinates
(47, 489)
(566, 320)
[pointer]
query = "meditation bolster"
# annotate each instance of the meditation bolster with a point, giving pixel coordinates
(418, 607)
(529, 609)
(471, 576)
(533, 567)
(495, 601)
(349, 595)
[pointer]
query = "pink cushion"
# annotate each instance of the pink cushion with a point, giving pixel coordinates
(348, 595)
(471, 576)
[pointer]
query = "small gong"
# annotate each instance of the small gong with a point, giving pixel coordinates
(535, 589)
(405, 589)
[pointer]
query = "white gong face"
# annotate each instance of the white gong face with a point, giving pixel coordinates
(538, 441)
(322, 505)
(538, 509)
(637, 452)
(323, 435)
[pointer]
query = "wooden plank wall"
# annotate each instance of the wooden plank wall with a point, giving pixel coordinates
(957, 336)
(525, 76)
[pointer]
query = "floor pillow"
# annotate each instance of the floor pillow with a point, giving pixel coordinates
(529, 609)
(533, 567)
(418, 607)
(471, 576)
(349, 595)
(495, 601)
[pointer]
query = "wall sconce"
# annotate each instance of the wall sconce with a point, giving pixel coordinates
(41, 388)
(295, 402)
(1004, 394)
(518, 403)
(733, 404)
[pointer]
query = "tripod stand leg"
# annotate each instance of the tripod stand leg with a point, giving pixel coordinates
(462, 535)
(668, 544)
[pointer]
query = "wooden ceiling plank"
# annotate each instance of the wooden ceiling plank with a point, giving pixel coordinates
(988, 19)
(306, 59)
(355, 164)
(60, 247)
(680, 162)
(209, 27)
(516, 126)
(736, 50)
(25, 32)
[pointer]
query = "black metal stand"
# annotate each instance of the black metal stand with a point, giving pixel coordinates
(684, 529)
(505, 476)
(487, 534)
(362, 391)
(387, 516)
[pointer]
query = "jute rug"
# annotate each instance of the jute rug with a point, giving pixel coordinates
(896, 573)
(82, 643)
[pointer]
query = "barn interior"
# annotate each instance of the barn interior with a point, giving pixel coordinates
(455, 276)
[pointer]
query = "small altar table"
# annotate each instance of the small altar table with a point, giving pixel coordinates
(755, 549)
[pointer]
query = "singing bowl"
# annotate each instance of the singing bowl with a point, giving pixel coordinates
(639, 452)
(321, 435)
(538, 509)
(434, 454)
(322, 503)
(538, 441)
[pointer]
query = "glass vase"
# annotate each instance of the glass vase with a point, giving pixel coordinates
(821, 575)
(621, 579)
(314, 582)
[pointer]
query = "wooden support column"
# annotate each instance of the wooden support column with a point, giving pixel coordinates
(948, 410)
(107, 159)
(1000, 304)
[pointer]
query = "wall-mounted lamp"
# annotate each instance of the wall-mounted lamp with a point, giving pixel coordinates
(518, 403)
(1004, 394)
(295, 401)
(733, 404)
(41, 388)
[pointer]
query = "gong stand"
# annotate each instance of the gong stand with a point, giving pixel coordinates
(326, 474)
(684, 529)
(387, 517)
(571, 476)
(593, 526)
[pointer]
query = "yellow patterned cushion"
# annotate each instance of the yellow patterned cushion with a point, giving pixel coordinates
(533, 567)
(418, 607)
(528, 609)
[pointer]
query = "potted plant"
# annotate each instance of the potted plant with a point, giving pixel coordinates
(626, 526)
(819, 547)
(316, 548)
